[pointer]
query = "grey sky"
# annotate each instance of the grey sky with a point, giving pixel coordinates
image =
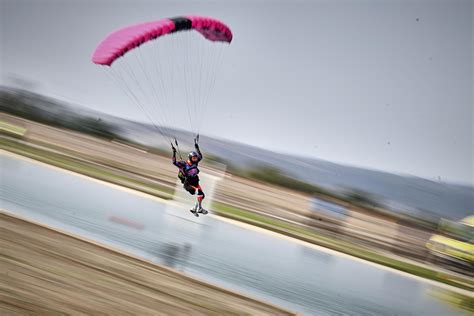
(357, 82)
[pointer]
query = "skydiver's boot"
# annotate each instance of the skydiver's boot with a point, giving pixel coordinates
(194, 210)
(200, 209)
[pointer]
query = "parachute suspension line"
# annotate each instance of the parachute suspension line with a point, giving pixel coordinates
(203, 52)
(211, 81)
(134, 79)
(172, 72)
(160, 69)
(202, 78)
(197, 78)
(203, 71)
(198, 69)
(194, 57)
(153, 86)
(158, 123)
(207, 77)
(192, 74)
(205, 74)
(175, 82)
(201, 55)
(122, 83)
(174, 85)
(187, 81)
(199, 86)
(146, 99)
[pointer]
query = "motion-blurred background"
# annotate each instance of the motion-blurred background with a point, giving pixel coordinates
(342, 125)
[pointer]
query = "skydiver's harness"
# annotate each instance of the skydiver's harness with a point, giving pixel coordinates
(183, 174)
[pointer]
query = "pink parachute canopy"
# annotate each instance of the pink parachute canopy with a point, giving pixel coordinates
(119, 42)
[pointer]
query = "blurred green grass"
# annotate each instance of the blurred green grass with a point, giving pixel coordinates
(8, 128)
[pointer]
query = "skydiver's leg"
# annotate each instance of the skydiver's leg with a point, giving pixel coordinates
(191, 190)
(194, 184)
(200, 196)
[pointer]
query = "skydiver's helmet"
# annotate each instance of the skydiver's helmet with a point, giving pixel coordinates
(193, 156)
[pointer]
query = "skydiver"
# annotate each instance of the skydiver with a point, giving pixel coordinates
(188, 174)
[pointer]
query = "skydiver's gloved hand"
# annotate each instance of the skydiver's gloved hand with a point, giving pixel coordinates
(174, 150)
(196, 140)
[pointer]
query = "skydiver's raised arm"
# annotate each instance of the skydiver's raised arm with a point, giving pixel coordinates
(178, 164)
(198, 151)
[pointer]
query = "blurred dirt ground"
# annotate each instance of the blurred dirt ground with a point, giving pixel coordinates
(47, 272)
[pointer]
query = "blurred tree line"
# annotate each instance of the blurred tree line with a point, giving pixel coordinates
(276, 177)
(41, 109)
